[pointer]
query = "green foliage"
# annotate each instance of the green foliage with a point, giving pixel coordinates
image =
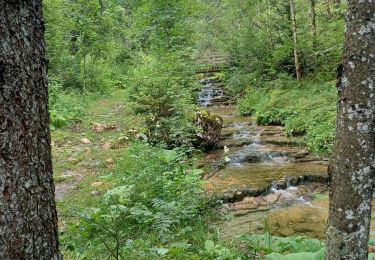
(85, 44)
(309, 109)
(274, 247)
(154, 206)
(257, 37)
(161, 91)
(319, 255)
(65, 107)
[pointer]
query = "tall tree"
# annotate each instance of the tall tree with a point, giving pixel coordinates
(328, 6)
(28, 219)
(313, 23)
(353, 168)
(295, 40)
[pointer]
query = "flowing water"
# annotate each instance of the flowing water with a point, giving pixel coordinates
(249, 156)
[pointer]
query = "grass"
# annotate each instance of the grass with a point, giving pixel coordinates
(78, 166)
(308, 109)
(83, 177)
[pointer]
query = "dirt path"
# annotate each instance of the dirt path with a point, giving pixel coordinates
(85, 151)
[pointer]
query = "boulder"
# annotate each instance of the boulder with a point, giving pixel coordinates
(208, 129)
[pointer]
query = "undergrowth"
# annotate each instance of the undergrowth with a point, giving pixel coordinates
(155, 209)
(67, 106)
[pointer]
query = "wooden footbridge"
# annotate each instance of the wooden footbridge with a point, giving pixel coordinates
(212, 63)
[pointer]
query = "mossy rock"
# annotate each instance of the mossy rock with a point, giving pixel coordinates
(208, 129)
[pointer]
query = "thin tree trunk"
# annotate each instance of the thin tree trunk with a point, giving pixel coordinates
(102, 7)
(337, 3)
(295, 40)
(313, 23)
(328, 6)
(353, 167)
(28, 219)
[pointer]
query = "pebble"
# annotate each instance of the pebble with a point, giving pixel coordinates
(95, 193)
(85, 141)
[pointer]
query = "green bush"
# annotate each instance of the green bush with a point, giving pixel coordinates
(155, 208)
(65, 106)
(272, 245)
(161, 91)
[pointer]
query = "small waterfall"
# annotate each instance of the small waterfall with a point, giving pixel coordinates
(291, 195)
(209, 94)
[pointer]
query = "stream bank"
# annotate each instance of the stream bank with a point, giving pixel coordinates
(262, 175)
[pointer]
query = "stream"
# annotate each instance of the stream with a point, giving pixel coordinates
(262, 175)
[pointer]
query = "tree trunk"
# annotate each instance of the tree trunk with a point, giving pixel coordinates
(353, 167)
(337, 3)
(28, 219)
(328, 6)
(102, 7)
(313, 23)
(295, 40)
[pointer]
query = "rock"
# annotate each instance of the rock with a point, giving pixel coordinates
(109, 161)
(121, 142)
(99, 128)
(96, 184)
(132, 132)
(209, 129)
(72, 159)
(85, 141)
(272, 198)
(87, 151)
(95, 193)
(65, 177)
(106, 146)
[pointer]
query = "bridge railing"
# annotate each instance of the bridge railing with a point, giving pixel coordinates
(215, 63)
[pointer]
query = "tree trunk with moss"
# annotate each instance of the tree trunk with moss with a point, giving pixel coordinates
(28, 218)
(352, 169)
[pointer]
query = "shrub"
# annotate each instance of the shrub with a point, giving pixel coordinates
(161, 92)
(156, 201)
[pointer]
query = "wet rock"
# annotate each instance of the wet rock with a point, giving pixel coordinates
(233, 143)
(280, 140)
(302, 220)
(290, 181)
(209, 129)
(272, 198)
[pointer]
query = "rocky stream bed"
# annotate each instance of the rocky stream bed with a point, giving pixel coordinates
(262, 176)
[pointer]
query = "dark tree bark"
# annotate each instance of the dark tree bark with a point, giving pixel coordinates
(353, 166)
(28, 219)
(295, 40)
